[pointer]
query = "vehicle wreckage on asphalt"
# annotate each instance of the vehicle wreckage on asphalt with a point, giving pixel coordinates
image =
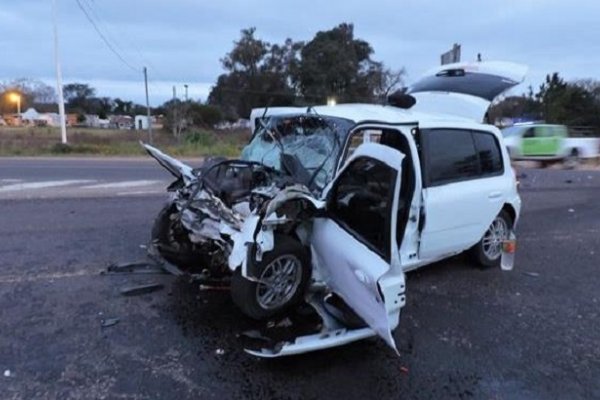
(333, 204)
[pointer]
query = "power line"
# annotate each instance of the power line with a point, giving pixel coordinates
(112, 33)
(102, 24)
(104, 39)
(94, 8)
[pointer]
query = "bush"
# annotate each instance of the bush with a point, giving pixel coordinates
(200, 139)
(61, 148)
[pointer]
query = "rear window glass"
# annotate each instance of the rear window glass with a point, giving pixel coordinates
(511, 131)
(476, 84)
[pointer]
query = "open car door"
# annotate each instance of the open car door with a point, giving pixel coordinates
(354, 245)
(465, 89)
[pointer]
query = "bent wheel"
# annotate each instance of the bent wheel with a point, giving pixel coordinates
(171, 240)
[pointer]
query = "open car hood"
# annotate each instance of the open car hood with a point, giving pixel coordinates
(465, 89)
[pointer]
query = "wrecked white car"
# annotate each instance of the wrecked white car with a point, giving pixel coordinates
(333, 204)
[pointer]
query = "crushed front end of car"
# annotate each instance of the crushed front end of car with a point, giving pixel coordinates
(197, 229)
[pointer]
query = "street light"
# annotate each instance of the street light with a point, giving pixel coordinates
(16, 98)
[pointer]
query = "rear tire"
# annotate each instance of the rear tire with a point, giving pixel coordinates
(572, 160)
(487, 253)
(283, 275)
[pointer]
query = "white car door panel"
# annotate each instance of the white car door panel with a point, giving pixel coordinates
(466, 187)
(457, 215)
(353, 271)
(362, 265)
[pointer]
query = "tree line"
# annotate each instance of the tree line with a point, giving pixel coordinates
(334, 64)
(80, 98)
(556, 101)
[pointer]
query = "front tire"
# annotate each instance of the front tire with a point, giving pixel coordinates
(171, 240)
(282, 275)
(488, 251)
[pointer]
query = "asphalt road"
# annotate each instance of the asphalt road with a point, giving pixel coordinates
(533, 333)
(81, 177)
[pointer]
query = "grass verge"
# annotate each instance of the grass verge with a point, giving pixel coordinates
(45, 141)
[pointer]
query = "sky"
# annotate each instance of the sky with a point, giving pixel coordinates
(182, 41)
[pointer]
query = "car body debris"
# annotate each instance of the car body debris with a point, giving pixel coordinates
(141, 289)
(330, 206)
(108, 322)
(211, 287)
(140, 267)
(255, 334)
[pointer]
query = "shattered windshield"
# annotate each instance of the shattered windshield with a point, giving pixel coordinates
(316, 141)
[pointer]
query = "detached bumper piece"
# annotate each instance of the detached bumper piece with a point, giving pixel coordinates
(334, 331)
(318, 341)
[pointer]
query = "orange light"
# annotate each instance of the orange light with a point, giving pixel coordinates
(14, 97)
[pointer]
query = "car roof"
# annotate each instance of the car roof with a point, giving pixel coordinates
(359, 112)
(526, 125)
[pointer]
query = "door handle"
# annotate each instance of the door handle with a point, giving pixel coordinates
(362, 276)
(494, 195)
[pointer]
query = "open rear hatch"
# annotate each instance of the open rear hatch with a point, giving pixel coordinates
(465, 89)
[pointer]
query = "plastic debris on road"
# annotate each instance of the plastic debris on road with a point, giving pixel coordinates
(141, 289)
(105, 323)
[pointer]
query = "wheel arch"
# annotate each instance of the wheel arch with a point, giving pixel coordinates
(510, 210)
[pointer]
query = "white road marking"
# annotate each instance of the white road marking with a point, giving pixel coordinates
(42, 185)
(10, 180)
(46, 277)
(121, 185)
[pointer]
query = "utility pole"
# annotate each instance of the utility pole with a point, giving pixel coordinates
(186, 92)
(59, 86)
(174, 111)
(148, 106)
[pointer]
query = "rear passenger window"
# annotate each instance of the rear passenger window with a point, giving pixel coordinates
(451, 156)
(490, 157)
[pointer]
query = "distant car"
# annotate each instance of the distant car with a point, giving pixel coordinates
(333, 204)
(548, 142)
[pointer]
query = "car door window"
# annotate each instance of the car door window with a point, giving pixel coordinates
(360, 202)
(528, 133)
(450, 156)
(488, 150)
(541, 132)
